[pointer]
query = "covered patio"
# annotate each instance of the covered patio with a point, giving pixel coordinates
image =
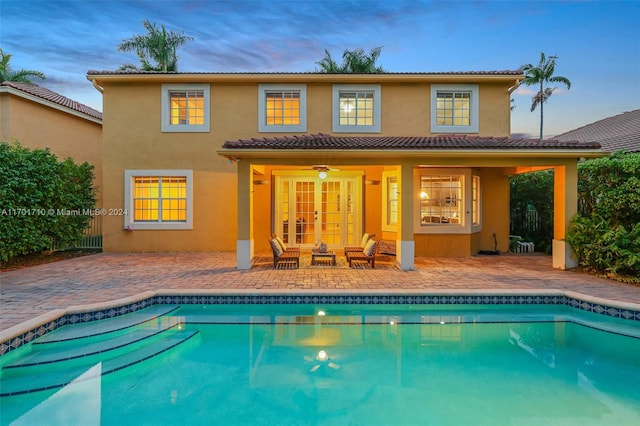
(474, 216)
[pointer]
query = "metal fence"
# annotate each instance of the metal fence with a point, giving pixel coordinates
(91, 239)
(528, 220)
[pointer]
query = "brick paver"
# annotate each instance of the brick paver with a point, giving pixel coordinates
(27, 293)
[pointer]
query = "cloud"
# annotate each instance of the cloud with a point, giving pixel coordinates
(524, 91)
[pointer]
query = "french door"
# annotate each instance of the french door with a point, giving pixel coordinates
(309, 209)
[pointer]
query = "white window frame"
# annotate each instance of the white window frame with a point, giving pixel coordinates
(262, 108)
(476, 226)
(466, 225)
(387, 225)
(166, 108)
(375, 127)
(131, 224)
(473, 126)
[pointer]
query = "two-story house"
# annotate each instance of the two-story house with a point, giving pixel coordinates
(219, 161)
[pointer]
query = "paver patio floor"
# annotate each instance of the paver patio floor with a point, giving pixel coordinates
(27, 293)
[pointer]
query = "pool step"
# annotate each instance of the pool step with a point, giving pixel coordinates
(51, 352)
(22, 380)
(94, 328)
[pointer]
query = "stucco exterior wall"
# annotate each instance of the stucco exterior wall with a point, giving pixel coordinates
(37, 126)
(495, 209)
(133, 140)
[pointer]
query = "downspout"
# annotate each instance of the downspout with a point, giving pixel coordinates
(97, 86)
(511, 89)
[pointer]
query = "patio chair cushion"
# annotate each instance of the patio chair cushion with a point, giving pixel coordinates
(281, 243)
(365, 239)
(277, 250)
(369, 247)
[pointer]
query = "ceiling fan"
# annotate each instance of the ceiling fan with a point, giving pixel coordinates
(322, 170)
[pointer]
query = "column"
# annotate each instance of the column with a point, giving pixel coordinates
(244, 244)
(565, 206)
(405, 247)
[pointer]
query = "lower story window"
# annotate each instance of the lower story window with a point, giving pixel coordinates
(441, 200)
(158, 199)
(475, 206)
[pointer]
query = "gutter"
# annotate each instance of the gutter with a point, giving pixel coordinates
(97, 86)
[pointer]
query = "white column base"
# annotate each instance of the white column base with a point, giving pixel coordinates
(563, 257)
(405, 255)
(244, 254)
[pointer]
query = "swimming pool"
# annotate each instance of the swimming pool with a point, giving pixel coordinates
(329, 363)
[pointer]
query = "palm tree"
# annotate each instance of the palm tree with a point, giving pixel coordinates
(541, 75)
(353, 62)
(20, 76)
(158, 45)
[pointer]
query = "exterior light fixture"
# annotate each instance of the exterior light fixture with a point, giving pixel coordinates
(322, 174)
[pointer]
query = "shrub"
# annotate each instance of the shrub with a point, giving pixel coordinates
(533, 192)
(605, 235)
(43, 201)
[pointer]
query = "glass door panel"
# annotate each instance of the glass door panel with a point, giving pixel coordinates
(309, 209)
(331, 213)
(305, 212)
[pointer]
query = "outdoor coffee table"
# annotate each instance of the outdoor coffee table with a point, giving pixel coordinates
(323, 257)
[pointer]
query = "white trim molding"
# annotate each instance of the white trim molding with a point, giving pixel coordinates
(474, 91)
(262, 107)
(166, 108)
(376, 113)
(131, 224)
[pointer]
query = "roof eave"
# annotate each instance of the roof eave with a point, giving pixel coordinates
(102, 79)
(302, 154)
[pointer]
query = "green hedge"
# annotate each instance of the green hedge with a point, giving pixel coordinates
(605, 235)
(43, 201)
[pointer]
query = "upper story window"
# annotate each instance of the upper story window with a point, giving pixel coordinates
(356, 108)
(185, 108)
(158, 199)
(454, 108)
(282, 108)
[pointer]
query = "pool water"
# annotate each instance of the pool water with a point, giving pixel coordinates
(332, 365)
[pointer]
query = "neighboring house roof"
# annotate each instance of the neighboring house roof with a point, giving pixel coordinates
(43, 94)
(457, 142)
(620, 132)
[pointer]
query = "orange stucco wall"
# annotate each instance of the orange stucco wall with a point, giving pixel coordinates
(133, 140)
(38, 126)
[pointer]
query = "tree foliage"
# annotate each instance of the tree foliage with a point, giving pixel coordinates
(605, 235)
(158, 45)
(541, 75)
(533, 192)
(43, 201)
(20, 76)
(353, 62)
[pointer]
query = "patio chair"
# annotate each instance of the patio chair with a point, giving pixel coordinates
(283, 259)
(283, 246)
(368, 255)
(365, 239)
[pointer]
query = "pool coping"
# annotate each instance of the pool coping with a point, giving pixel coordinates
(23, 333)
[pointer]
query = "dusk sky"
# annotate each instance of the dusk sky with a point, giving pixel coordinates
(597, 42)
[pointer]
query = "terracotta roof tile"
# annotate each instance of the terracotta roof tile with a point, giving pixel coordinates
(51, 96)
(124, 72)
(620, 132)
(324, 141)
